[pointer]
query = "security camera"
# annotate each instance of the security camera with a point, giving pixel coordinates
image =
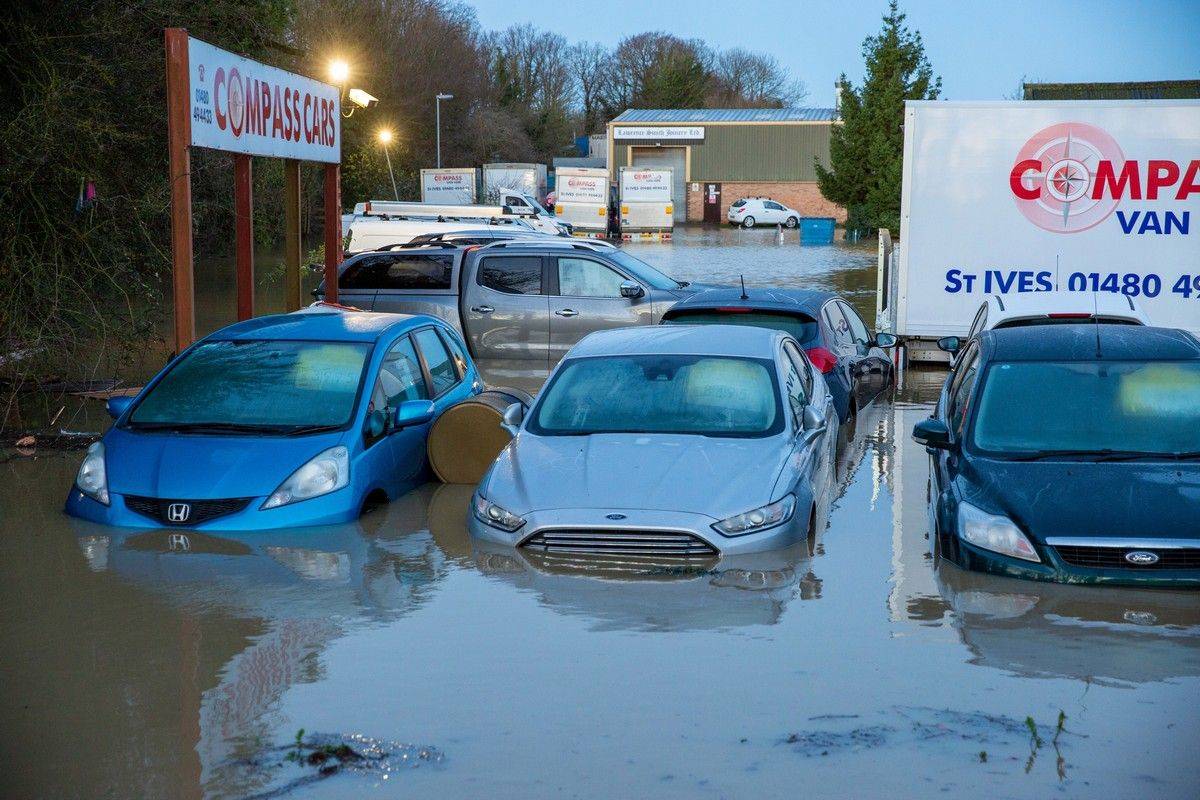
(361, 98)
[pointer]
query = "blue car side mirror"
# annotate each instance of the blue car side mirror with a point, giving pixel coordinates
(932, 432)
(412, 412)
(118, 405)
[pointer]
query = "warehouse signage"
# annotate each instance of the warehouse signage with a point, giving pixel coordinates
(659, 133)
(243, 106)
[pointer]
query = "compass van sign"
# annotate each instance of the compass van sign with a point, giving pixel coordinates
(243, 106)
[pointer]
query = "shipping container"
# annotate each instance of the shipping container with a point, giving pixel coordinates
(646, 199)
(581, 198)
(451, 186)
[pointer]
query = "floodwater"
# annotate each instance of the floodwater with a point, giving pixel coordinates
(175, 664)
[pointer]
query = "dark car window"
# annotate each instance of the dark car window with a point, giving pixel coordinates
(400, 376)
(803, 328)
(457, 351)
(803, 365)
(839, 328)
(960, 397)
(739, 204)
(512, 274)
(400, 271)
(774, 206)
(437, 359)
(793, 387)
(858, 328)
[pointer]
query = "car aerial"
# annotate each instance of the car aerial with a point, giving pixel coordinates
(831, 332)
(1047, 308)
(751, 211)
(1070, 453)
(681, 441)
(285, 420)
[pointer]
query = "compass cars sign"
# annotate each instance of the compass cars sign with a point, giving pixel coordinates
(243, 106)
(1003, 198)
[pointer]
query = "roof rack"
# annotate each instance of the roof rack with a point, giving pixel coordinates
(412, 246)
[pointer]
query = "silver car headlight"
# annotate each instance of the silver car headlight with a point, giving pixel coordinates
(496, 516)
(326, 472)
(993, 532)
(767, 516)
(92, 478)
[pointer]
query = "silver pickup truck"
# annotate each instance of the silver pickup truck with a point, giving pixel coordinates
(520, 304)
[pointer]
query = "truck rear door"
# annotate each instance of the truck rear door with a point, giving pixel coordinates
(506, 318)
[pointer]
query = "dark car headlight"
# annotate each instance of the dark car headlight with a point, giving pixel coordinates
(994, 532)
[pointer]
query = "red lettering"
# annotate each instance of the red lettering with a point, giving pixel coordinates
(253, 108)
(296, 116)
(1191, 181)
(286, 127)
(1116, 184)
(1016, 179)
(265, 90)
(324, 120)
(218, 83)
(307, 117)
(277, 121)
(1160, 173)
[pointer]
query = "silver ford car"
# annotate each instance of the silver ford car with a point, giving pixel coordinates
(684, 441)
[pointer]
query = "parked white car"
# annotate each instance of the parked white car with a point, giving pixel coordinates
(751, 211)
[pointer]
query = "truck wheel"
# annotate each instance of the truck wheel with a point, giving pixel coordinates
(748, 222)
(791, 222)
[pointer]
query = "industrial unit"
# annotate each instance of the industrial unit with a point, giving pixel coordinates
(718, 155)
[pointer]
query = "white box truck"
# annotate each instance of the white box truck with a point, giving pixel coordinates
(529, 179)
(453, 186)
(1026, 196)
(646, 204)
(581, 198)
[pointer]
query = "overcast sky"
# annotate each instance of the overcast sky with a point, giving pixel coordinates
(981, 49)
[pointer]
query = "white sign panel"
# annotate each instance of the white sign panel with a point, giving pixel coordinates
(1080, 196)
(645, 185)
(658, 132)
(448, 187)
(243, 106)
(581, 189)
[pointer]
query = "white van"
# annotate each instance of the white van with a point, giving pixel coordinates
(371, 233)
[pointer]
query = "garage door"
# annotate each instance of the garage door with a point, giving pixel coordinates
(675, 158)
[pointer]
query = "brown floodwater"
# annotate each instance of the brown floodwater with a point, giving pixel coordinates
(177, 664)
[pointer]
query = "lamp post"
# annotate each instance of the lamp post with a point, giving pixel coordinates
(385, 138)
(437, 104)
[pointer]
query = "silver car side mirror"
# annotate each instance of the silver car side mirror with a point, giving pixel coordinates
(514, 415)
(631, 290)
(812, 418)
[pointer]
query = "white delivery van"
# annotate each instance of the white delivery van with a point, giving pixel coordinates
(449, 186)
(372, 233)
(514, 204)
(1009, 197)
(646, 204)
(581, 199)
(527, 179)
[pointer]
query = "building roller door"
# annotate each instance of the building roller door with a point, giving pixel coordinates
(676, 159)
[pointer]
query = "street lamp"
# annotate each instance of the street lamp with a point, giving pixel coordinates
(339, 71)
(437, 103)
(385, 138)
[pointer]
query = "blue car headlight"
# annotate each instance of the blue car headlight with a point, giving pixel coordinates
(496, 516)
(993, 532)
(92, 478)
(767, 516)
(326, 472)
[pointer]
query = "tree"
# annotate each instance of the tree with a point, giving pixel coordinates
(866, 152)
(745, 79)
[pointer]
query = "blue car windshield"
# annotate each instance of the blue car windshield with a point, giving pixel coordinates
(805, 329)
(683, 394)
(642, 271)
(1151, 407)
(269, 386)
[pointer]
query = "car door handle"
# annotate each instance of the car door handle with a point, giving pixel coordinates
(482, 309)
(567, 312)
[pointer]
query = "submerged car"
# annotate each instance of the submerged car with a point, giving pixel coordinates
(1070, 454)
(286, 420)
(679, 441)
(831, 332)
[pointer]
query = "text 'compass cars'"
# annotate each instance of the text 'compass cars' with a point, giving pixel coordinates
(687, 441)
(294, 419)
(1071, 453)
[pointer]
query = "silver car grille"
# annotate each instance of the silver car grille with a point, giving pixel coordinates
(629, 542)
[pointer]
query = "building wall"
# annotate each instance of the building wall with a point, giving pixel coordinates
(804, 196)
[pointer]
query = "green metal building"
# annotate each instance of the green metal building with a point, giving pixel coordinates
(719, 155)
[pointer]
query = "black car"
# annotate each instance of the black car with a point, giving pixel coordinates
(1070, 453)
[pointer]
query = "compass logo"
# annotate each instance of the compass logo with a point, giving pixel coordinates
(1054, 176)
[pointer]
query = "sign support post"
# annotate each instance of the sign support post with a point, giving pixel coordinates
(333, 229)
(243, 205)
(292, 244)
(179, 135)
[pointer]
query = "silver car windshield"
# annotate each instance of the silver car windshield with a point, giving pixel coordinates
(682, 394)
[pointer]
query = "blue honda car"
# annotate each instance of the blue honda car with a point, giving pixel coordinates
(280, 421)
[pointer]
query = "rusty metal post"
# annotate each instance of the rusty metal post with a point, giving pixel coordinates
(179, 137)
(243, 213)
(333, 229)
(292, 243)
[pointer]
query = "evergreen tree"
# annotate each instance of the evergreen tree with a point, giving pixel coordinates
(866, 152)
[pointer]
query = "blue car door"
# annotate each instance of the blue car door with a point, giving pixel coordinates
(402, 378)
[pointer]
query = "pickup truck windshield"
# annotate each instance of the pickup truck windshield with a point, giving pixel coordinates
(257, 386)
(1031, 409)
(642, 271)
(682, 394)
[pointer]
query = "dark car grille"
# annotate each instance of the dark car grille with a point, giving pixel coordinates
(622, 542)
(199, 511)
(1114, 557)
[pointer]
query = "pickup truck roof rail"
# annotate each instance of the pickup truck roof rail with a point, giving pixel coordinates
(550, 242)
(443, 218)
(415, 246)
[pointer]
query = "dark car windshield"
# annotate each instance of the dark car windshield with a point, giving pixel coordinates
(1027, 408)
(641, 270)
(805, 329)
(707, 395)
(272, 386)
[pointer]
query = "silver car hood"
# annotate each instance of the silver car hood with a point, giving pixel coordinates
(719, 477)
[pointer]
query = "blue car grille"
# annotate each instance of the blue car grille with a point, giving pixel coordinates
(621, 542)
(159, 509)
(1114, 557)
